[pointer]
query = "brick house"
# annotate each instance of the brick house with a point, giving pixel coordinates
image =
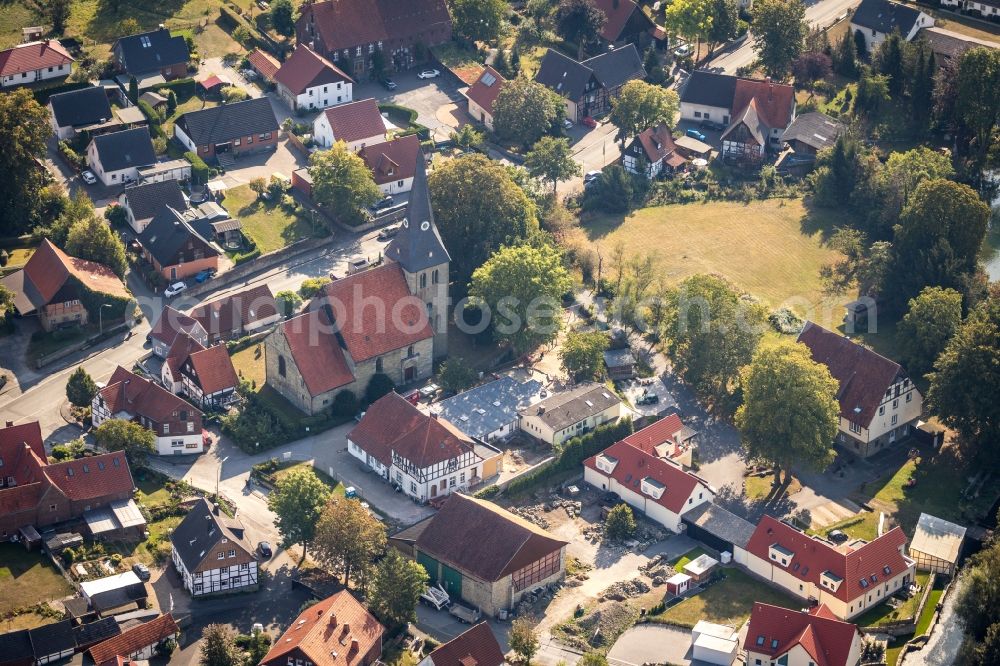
(212, 553)
(153, 52)
(236, 315)
(336, 631)
(242, 127)
(176, 424)
(35, 493)
(175, 248)
(349, 32)
(58, 288)
(588, 87)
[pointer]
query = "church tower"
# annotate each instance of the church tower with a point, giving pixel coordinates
(421, 253)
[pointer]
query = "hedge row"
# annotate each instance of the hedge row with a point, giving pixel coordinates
(183, 88)
(413, 127)
(234, 18)
(199, 170)
(570, 456)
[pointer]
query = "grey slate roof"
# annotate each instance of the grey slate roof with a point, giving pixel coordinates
(201, 530)
(15, 646)
(128, 148)
(151, 51)
(148, 199)
(167, 233)
(613, 68)
(54, 638)
(95, 632)
(814, 129)
(568, 407)
(562, 74)
(418, 245)
(487, 408)
(229, 121)
(709, 89)
(617, 358)
(76, 108)
(721, 523)
(885, 17)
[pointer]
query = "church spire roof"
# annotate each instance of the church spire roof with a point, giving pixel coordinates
(418, 245)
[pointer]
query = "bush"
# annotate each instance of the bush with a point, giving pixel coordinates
(182, 88)
(620, 523)
(379, 385)
(199, 170)
(312, 286)
(345, 404)
(73, 158)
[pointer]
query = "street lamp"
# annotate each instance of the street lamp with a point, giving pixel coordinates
(100, 316)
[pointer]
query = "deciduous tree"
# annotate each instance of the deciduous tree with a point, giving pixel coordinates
(582, 354)
(348, 538)
(977, 101)
(691, 19)
(397, 584)
(58, 13)
(641, 105)
(478, 208)
(117, 435)
(523, 286)
(779, 29)
(790, 413)
(580, 22)
(523, 639)
(283, 17)
(218, 646)
(478, 20)
(932, 318)
(525, 111)
(342, 182)
(379, 385)
(725, 17)
(551, 159)
(297, 502)
(978, 601)
(92, 239)
(456, 374)
(80, 388)
(24, 129)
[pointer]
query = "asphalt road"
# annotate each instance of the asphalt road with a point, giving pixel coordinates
(819, 14)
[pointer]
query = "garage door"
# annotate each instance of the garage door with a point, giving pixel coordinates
(451, 580)
(430, 564)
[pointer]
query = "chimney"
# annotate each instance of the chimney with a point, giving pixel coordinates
(10, 424)
(333, 619)
(215, 509)
(355, 646)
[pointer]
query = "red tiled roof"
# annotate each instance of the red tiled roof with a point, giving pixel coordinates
(812, 556)
(827, 640)
(135, 639)
(49, 267)
(135, 395)
(229, 313)
(326, 633)
(36, 55)
(376, 313)
(394, 160)
(213, 369)
(213, 81)
(305, 69)
(392, 424)
(618, 13)
(657, 142)
(265, 63)
(21, 497)
(96, 476)
(347, 23)
(484, 95)
(475, 647)
(356, 121)
(184, 345)
(664, 430)
(14, 437)
(774, 101)
(863, 375)
(316, 351)
(170, 323)
(636, 464)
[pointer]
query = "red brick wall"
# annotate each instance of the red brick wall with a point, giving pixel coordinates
(188, 269)
(206, 152)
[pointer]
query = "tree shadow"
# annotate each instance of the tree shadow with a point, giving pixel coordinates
(103, 25)
(598, 226)
(823, 221)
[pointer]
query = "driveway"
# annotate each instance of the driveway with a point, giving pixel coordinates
(283, 159)
(425, 96)
(652, 644)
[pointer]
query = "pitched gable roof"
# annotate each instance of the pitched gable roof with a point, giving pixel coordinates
(709, 89)
(393, 425)
(885, 17)
(369, 331)
(33, 55)
(135, 639)
(212, 369)
(418, 246)
(634, 465)
(131, 148)
(563, 75)
(148, 199)
(326, 633)
(77, 108)
(13, 438)
(95, 476)
(316, 351)
(773, 101)
(814, 129)
(347, 23)
(863, 375)
(393, 160)
(486, 88)
(306, 69)
(236, 311)
(229, 121)
(202, 530)
(668, 430)
(568, 407)
(134, 395)
(618, 13)
(150, 51)
(614, 67)
(480, 538)
(171, 323)
(355, 121)
(265, 63)
(827, 640)
(183, 346)
(169, 233)
(474, 647)
(657, 142)
(812, 556)
(751, 120)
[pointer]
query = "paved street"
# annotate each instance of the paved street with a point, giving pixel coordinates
(819, 14)
(652, 644)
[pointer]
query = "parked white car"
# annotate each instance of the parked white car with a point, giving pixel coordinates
(88, 177)
(174, 289)
(429, 74)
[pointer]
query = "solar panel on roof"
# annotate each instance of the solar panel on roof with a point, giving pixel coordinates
(488, 79)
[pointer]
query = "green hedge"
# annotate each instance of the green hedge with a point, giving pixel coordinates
(570, 456)
(199, 170)
(183, 88)
(242, 257)
(233, 18)
(42, 95)
(413, 127)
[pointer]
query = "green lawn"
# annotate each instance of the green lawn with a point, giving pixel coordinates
(760, 487)
(27, 579)
(728, 602)
(152, 490)
(19, 256)
(56, 340)
(692, 554)
(924, 621)
(884, 614)
(249, 364)
(784, 237)
(270, 224)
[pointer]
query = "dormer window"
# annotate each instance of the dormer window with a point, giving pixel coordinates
(653, 488)
(780, 554)
(606, 463)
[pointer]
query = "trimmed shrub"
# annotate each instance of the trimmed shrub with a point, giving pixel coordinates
(199, 170)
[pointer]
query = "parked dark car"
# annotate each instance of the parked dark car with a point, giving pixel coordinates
(264, 548)
(388, 83)
(712, 125)
(141, 570)
(385, 202)
(648, 399)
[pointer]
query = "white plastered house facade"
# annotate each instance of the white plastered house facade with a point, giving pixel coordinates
(699, 112)
(874, 38)
(170, 438)
(319, 97)
(798, 656)
(899, 410)
(447, 476)
(323, 135)
(109, 178)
